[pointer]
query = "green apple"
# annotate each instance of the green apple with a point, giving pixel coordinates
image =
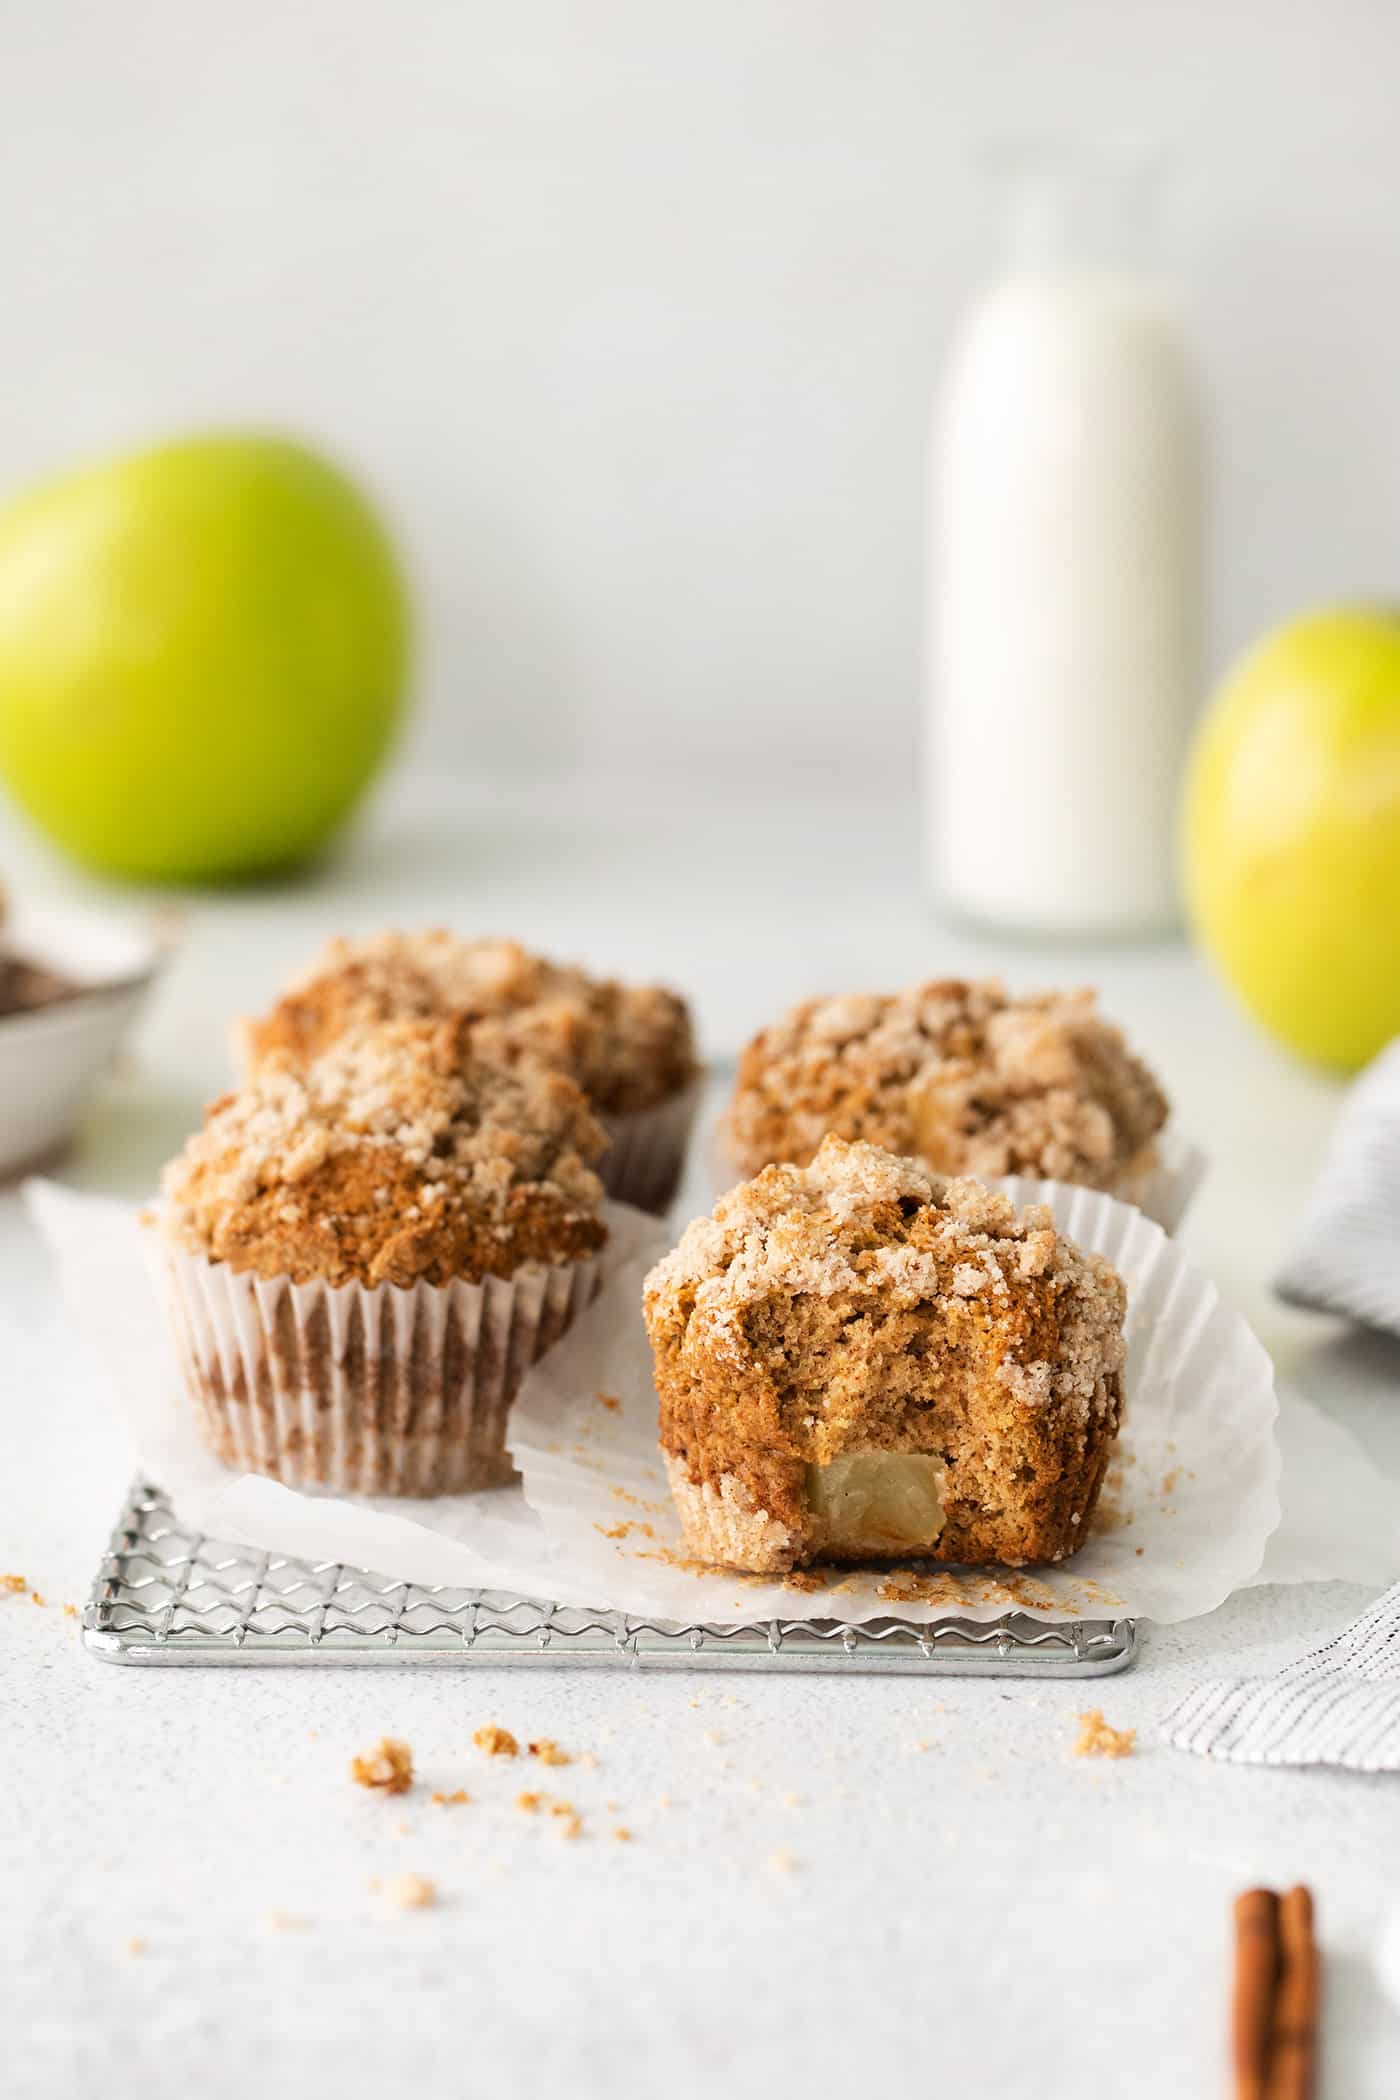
(203, 652)
(1292, 834)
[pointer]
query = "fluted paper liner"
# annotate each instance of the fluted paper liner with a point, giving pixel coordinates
(646, 1150)
(366, 1389)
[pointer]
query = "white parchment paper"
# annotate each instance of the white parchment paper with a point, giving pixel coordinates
(1191, 1501)
(1188, 1518)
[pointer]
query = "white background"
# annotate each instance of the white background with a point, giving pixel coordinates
(631, 310)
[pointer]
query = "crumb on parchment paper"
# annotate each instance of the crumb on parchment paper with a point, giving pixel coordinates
(388, 1767)
(1097, 1739)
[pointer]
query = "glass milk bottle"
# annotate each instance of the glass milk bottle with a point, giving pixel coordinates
(1065, 590)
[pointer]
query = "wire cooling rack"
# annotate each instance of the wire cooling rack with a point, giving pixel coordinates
(166, 1594)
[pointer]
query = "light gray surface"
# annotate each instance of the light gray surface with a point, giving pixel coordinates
(632, 310)
(989, 1914)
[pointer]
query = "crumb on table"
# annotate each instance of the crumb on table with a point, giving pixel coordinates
(1097, 1739)
(451, 1800)
(16, 1585)
(548, 1752)
(496, 1742)
(389, 1767)
(411, 1891)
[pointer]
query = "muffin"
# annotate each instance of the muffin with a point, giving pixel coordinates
(957, 1074)
(367, 1248)
(630, 1048)
(860, 1361)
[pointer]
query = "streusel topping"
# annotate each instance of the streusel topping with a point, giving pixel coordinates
(958, 1073)
(860, 1224)
(399, 1153)
(628, 1046)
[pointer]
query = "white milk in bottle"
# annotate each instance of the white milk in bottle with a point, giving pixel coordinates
(1065, 598)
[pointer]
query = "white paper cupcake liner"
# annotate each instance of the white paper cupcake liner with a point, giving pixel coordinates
(365, 1389)
(1190, 1501)
(1165, 1191)
(646, 1151)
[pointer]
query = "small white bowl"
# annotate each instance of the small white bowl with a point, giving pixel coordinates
(51, 1059)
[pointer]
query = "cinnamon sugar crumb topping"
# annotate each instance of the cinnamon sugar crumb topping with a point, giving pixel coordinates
(389, 1767)
(957, 1073)
(1097, 1739)
(628, 1046)
(859, 1220)
(400, 1153)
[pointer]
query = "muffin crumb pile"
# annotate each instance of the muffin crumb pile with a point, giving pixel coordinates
(1097, 1739)
(496, 1742)
(549, 1753)
(389, 1767)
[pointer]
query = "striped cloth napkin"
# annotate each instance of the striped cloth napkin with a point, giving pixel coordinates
(1346, 1256)
(1341, 1704)
(1338, 1706)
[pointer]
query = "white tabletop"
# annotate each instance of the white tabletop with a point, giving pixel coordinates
(869, 1884)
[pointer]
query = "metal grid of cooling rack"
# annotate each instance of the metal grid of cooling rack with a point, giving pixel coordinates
(165, 1594)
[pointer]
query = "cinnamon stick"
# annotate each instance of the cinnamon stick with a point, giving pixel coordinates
(1293, 2049)
(1256, 1981)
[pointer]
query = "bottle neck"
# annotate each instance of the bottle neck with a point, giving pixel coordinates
(1072, 210)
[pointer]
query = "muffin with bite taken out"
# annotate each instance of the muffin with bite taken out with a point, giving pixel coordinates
(858, 1360)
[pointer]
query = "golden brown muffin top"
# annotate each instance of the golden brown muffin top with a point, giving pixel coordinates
(628, 1046)
(958, 1073)
(859, 1229)
(397, 1155)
